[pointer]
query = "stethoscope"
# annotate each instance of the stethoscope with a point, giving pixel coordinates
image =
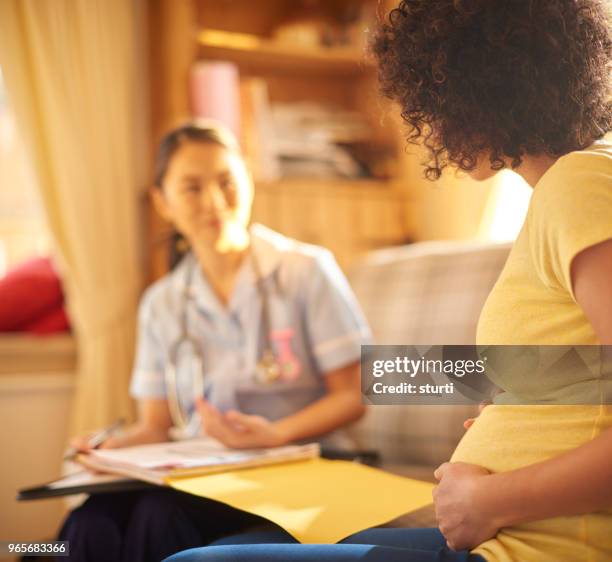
(271, 366)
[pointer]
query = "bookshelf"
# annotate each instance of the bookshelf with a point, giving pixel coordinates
(349, 216)
(266, 54)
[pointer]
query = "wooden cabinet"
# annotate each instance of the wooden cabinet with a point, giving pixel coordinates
(348, 216)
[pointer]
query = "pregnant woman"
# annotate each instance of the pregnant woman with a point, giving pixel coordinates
(522, 85)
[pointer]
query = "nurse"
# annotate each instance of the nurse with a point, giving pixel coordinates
(253, 339)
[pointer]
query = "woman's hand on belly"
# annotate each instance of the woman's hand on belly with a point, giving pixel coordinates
(239, 431)
(462, 518)
(470, 421)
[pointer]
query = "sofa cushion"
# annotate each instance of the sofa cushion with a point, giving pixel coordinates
(425, 293)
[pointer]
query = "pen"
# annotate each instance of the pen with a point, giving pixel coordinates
(96, 439)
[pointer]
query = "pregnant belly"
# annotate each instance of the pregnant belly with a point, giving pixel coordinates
(509, 437)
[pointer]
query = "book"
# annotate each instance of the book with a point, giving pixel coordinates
(157, 463)
(257, 134)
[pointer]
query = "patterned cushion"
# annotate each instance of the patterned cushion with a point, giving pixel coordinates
(426, 293)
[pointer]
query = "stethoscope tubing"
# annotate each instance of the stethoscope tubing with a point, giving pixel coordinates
(181, 421)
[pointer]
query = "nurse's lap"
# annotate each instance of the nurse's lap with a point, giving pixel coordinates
(373, 545)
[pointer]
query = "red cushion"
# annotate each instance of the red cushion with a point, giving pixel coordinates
(28, 292)
(52, 322)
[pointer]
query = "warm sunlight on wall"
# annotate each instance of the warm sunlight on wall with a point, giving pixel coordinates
(506, 208)
(448, 209)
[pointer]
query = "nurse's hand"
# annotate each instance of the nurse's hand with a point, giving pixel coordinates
(81, 443)
(239, 431)
(463, 518)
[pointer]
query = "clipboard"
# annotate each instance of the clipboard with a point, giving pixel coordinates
(83, 482)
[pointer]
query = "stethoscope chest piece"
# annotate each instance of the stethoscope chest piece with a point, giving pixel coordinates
(267, 370)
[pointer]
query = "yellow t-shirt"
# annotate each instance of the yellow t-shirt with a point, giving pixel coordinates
(532, 304)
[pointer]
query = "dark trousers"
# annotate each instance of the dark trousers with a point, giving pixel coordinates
(148, 526)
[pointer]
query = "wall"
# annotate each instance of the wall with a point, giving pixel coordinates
(450, 208)
(36, 386)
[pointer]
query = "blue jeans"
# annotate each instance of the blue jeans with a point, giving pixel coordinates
(373, 545)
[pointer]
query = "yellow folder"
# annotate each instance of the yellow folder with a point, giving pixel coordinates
(316, 501)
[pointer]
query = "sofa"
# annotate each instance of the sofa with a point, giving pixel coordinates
(425, 293)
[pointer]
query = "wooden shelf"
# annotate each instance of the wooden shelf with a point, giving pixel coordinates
(26, 353)
(349, 216)
(261, 53)
(319, 185)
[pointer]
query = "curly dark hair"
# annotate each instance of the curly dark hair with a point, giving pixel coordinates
(502, 78)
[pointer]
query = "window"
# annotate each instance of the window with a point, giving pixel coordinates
(506, 208)
(23, 231)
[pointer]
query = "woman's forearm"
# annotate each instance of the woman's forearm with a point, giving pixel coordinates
(330, 412)
(576, 482)
(137, 434)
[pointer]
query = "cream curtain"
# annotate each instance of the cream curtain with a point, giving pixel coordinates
(70, 69)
